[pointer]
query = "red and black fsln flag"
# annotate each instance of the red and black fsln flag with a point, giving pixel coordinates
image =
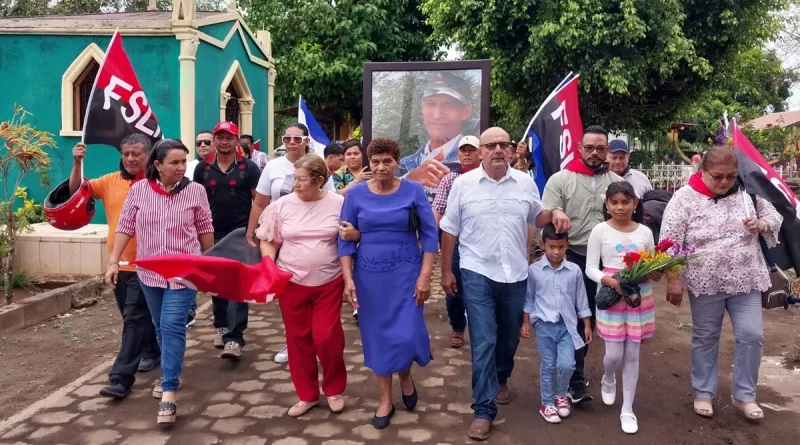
(117, 105)
(759, 178)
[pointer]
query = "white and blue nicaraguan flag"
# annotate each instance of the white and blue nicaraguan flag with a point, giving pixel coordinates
(318, 139)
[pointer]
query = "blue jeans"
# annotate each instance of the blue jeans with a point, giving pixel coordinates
(456, 309)
(495, 317)
(558, 357)
(169, 307)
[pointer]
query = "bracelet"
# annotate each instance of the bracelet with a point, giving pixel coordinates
(113, 263)
(250, 236)
(558, 208)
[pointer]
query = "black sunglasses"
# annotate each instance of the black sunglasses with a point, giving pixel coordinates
(203, 142)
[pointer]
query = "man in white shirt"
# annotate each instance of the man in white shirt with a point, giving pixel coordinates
(488, 212)
(619, 158)
(204, 144)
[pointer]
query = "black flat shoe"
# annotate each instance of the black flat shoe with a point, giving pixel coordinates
(382, 422)
(115, 391)
(148, 364)
(410, 401)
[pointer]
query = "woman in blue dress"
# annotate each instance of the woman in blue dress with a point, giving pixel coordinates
(387, 276)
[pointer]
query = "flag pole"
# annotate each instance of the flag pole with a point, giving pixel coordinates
(547, 99)
(91, 95)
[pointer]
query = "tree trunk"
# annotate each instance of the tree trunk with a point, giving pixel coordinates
(8, 271)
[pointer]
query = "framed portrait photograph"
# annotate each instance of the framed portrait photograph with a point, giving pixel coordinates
(427, 107)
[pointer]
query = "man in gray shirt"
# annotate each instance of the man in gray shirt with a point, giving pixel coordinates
(619, 158)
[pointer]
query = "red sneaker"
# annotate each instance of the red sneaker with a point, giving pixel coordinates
(563, 406)
(549, 413)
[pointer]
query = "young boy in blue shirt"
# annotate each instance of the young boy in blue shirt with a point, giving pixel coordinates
(555, 300)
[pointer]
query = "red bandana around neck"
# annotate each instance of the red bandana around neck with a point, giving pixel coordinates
(577, 166)
(138, 178)
(697, 184)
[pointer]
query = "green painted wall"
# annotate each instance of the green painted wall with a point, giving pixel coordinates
(31, 67)
(218, 30)
(212, 65)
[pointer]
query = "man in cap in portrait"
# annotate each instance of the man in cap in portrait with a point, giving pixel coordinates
(445, 107)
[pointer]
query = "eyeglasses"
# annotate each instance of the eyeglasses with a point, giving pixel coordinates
(600, 149)
(720, 178)
(493, 145)
(303, 178)
(202, 142)
(467, 148)
(295, 139)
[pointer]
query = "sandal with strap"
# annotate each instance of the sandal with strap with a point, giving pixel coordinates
(751, 410)
(703, 407)
(167, 412)
(457, 340)
(301, 408)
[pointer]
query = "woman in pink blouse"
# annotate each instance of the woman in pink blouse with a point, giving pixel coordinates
(714, 214)
(169, 215)
(304, 226)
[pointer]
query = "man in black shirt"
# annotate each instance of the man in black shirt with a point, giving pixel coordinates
(230, 181)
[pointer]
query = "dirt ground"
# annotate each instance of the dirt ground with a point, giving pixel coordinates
(41, 359)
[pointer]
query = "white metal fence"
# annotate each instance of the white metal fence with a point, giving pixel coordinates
(668, 176)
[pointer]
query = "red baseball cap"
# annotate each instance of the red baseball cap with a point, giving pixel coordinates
(227, 127)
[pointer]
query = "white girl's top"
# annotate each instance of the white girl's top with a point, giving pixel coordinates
(611, 245)
(277, 179)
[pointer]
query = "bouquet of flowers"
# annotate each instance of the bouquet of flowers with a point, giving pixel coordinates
(667, 257)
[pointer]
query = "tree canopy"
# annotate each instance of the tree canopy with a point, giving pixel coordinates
(320, 46)
(752, 84)
(640, 61)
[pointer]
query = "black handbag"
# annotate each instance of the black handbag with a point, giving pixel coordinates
(413, 220)
(608, 296)
(780, 287)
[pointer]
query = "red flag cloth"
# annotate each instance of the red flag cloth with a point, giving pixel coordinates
(258, 283)
(257, 145)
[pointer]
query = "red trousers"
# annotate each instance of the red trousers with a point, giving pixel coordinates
(312, 317)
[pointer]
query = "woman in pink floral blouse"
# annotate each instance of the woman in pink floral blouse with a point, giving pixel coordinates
(714, 214)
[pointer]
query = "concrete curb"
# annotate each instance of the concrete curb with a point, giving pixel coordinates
(38, 308)
(50, 400)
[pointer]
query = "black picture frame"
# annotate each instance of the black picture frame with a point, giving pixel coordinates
(484, 65)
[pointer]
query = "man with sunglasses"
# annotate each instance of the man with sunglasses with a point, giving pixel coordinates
(204, 146)
(578, 191)
(230, 180)
(488, 213)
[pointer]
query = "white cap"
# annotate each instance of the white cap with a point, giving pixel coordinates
(469, 140)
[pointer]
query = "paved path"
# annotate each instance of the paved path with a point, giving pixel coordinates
(245, 403)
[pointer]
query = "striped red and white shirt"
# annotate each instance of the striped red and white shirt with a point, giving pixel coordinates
(165, 223)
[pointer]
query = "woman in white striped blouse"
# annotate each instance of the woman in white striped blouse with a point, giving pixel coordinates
(169, 215)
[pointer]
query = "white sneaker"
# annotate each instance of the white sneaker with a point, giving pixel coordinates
(608, 391)
(283, 356)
